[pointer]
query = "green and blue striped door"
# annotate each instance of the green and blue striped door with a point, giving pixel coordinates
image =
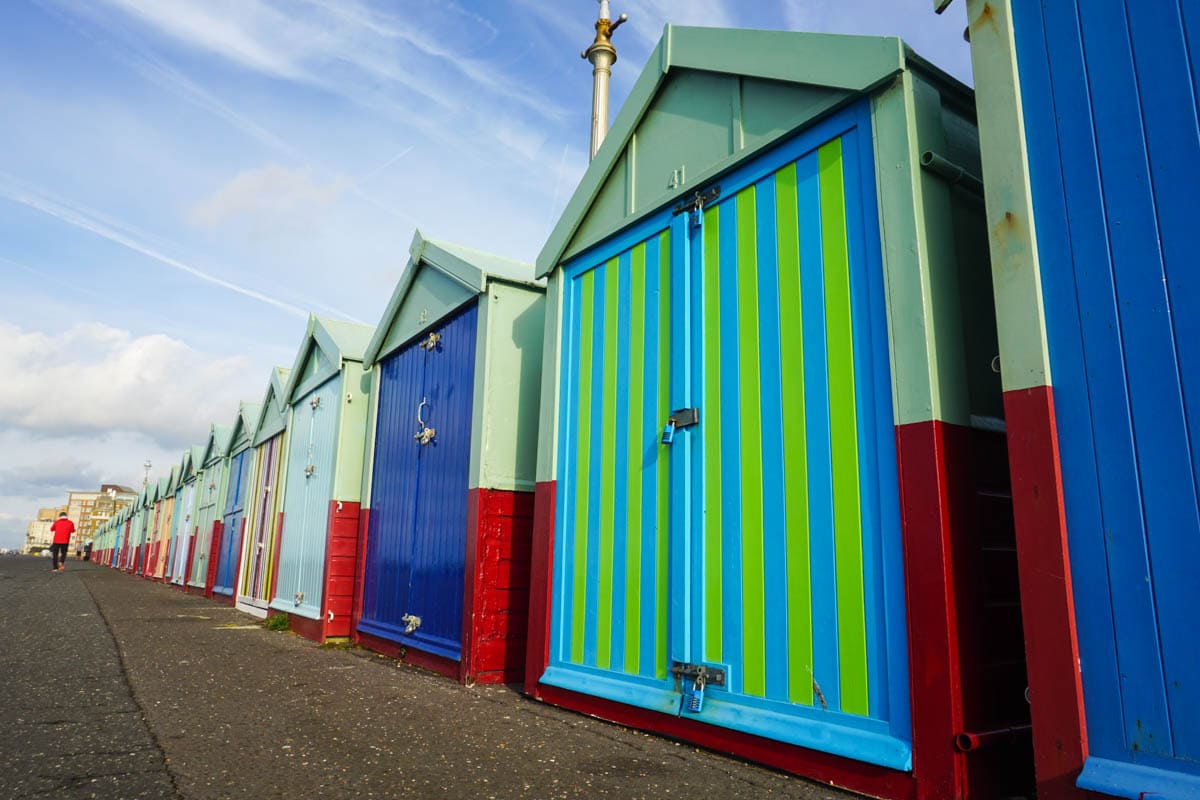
(764, 541)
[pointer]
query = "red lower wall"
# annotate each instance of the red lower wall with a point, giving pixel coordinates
(1055, 688)
(496, 585)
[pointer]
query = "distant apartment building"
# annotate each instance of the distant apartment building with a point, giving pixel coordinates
(88, 509)
(113, 497)
(37, 535)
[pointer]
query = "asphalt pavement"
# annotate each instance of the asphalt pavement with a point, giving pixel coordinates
(115, 687)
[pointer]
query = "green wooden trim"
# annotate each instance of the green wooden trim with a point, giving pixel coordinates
(1016, 273)
(847, 63)
(548, 404)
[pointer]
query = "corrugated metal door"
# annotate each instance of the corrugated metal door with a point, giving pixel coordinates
(310, 466)
(765, 541)
(239, 474)
(1109, 94)
(262, 522)
(417, 539)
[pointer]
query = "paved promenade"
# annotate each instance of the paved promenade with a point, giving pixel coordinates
(113, 687)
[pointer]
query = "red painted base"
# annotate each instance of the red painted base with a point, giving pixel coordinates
(1055, 689)
(312, 629)
(856, 776)
(541, 567)
(214, 547)
(341, 568)
(496, 585)
(442, 666)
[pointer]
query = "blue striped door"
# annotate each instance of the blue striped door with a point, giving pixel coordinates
(764, 541)
(416, 543)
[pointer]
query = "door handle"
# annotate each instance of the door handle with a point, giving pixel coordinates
(425, 435)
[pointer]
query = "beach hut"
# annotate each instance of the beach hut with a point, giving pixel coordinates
(210, 499)
(228, 538)
(771, 510)
(166, 524)
(455, 375)
(1090, 159)
(185, 520)
(264, 499)
(136, 536)
(317, 557)
(154, 530)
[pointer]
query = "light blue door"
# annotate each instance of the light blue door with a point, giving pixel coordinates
(310, 465)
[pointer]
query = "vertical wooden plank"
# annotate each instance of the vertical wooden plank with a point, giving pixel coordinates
(753, 600)
(711, 423)
(579, 532)
(844, 434)
(636, 457)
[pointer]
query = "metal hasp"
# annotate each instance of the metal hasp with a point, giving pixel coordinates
(430, 343)
(681, 418)
(694, 679)
(603, 55)
(411, 623)
(696, 203)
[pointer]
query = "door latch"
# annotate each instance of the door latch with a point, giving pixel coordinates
(680, 418)
(431, 342)
(425, 435)
(696, 203)
(694, 679)
(411, 623)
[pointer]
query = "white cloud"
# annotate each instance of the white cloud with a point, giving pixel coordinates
(270, 198)
(81, 217)
(94, 378)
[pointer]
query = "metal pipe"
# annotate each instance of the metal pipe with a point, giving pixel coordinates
(968, 741)
(952, 173)
(603, 55)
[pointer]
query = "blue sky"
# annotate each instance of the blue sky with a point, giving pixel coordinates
(181, 181)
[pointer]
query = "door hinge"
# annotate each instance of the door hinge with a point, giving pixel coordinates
(696, 203)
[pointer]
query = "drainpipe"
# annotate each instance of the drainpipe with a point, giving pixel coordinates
(603, 55)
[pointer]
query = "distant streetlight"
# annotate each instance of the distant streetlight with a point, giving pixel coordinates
(146, 478)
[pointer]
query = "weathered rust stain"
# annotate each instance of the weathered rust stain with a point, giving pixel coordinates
(986, 17)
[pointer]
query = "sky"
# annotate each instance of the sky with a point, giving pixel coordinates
(183, 181)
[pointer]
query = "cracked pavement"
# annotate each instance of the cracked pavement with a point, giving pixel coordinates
(115, 687)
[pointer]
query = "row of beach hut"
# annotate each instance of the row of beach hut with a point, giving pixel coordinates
(762, 453)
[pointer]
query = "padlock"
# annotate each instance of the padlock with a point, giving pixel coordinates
(693, 696)
(668, 434)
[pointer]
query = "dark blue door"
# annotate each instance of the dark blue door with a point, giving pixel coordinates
(231, 531)
(413, 582)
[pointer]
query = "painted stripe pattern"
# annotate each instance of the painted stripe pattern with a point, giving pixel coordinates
(616, 591)
(786, 469)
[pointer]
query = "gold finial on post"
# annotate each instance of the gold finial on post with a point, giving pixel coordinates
(603, 55)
